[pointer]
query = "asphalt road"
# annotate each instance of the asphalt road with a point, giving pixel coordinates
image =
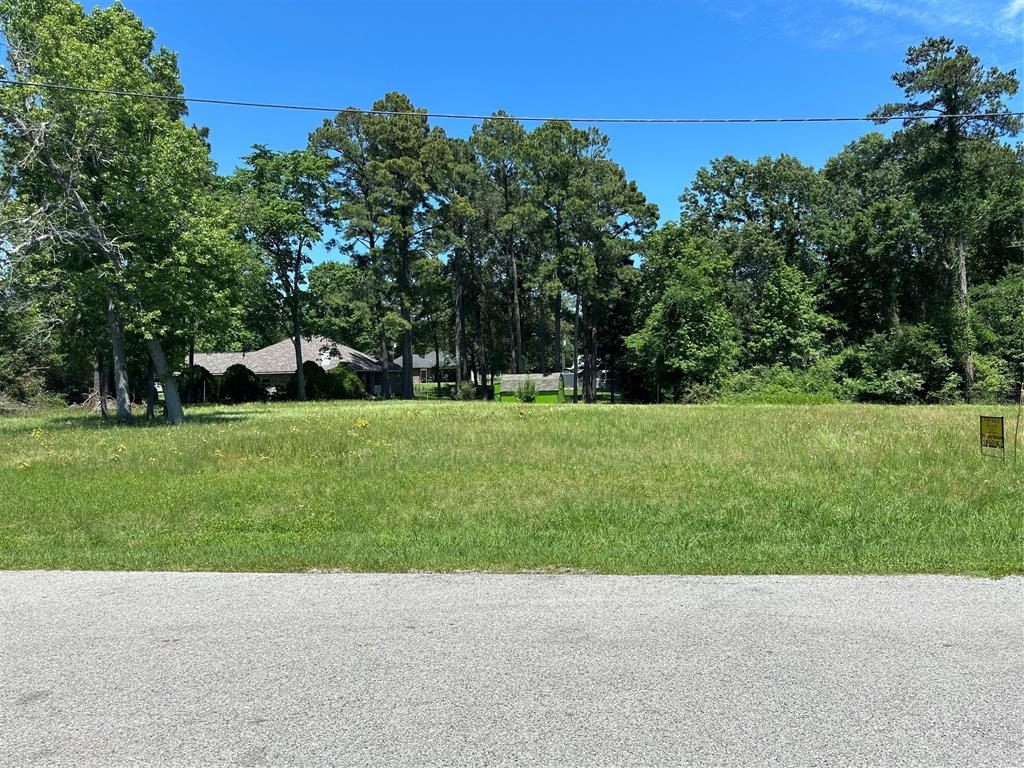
(163, 669)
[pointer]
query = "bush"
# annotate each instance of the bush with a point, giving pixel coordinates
(906, 365)
(822, 382)
(240, 385)
(992, 380)
(526, 392)
(467, 391)
(340, 384)
(345, 384)
(201, 380)
(900, 387)
(314, 377)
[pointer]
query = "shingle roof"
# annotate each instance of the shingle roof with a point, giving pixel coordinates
(510, 381)
(428, 360)
(217, 362)
(279, 358)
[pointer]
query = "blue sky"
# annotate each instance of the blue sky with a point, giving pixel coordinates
(732, 58)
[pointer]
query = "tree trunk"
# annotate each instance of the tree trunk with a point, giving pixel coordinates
(437, 363)
(385, 357)
(611, 376)
(542, 361)
(124, 405)
(966, 337)
(576, 347)
(407, 388)
(458, 328)
(517, 320)
(511, 337)
(101, 385)
(150, 393)
(481, 357)
(589, 356)
(300, 377)
(559, 357)
(172, 401)
(404, 281)
(191, 370)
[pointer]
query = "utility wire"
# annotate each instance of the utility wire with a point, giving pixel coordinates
(519, 118)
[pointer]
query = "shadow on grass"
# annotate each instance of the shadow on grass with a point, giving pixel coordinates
(77, 419)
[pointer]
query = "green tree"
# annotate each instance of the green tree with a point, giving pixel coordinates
(945, 85)
(765, 215)
(687, 340)
(339, 305)
(109, 176)
(873, 241)
(500, 145)
(433, 313)
(282, 199)
(468, 207)
(785, 325)
(384, 176)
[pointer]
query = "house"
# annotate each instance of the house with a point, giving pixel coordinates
(549, 388)
(275, 364)
(569, 376)
(425, 368)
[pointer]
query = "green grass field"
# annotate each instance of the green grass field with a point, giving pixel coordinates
(445, 486)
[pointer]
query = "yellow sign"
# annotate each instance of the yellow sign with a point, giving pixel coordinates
(992, 432)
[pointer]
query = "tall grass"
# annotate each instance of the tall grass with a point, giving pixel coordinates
(446, 485)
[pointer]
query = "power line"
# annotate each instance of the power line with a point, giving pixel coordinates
(519, 118)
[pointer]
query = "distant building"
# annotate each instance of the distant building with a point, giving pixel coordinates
(425, 368)
(569, 376)
(549, 388)
(275, 364)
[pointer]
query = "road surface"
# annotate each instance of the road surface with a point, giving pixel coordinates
(164, 669)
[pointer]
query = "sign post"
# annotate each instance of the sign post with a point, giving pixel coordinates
(992, 434)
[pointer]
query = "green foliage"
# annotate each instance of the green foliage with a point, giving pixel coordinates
(467, 391)
(339, 305)
(195, 381)
(345, 384)
(240, 385)
(820, 383)
(784, 325)
(25, 354)
(341, 383)
(998, 314)
(687, 340)
(318, 385)
(993, 382)
(526, 392)
(906, 365)
(891, 275)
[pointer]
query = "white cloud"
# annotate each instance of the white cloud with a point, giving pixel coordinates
(1013, 9)
(984, 16)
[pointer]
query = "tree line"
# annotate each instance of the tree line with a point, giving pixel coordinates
(893, 273)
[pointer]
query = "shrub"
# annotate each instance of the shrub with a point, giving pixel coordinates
(899, 386)
(345, 384)
(318, 384)
(822, 382)
(201, 381)
(906, 365)
(467, 391)
(526, 392)
(340, 384)
(992, 380)
(240, 385)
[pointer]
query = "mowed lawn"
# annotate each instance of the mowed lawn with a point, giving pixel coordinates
(447, 486)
